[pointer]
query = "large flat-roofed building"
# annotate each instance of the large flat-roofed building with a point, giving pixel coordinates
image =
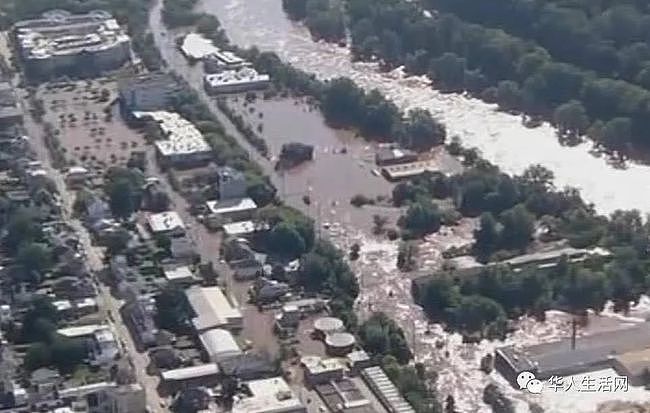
(219, 344)
(187, 377)
(183, 144)
(233, 81)
(213, 309)
(10, 110)
(233, 209)
(146, 92)
(559, 358)
(60, 43)
(268, 396)
(385, 390)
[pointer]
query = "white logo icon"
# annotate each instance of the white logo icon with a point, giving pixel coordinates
(526, 380)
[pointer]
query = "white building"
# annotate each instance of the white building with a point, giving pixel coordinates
(233, 209)
(219, 344)
(167, 223)
(181, 274)
(196, 47)
(268, 396)
(213, 309)
(232, 81)
(61, 43)
(223, 60)
(183, 144)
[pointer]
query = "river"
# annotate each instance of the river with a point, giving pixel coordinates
(501, 137)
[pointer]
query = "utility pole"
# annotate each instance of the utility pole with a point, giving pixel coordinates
(574, 328)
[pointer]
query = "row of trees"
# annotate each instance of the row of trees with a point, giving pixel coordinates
(342, 102)
(345, 105)
(177, 13)
(384, 340)
(323, 18)
(515, 73)
(610, 38)
(226, 149)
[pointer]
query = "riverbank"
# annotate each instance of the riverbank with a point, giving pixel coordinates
(500, 137)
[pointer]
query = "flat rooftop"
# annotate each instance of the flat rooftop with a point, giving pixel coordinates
(165, 221)
(212, 308)
(591, 352)
(346, 394)
(407, 170)
(231, 205)
(193, 372)
(268, 395)
(182, 137)
(236, 77)
(61, 33)
(196, 46)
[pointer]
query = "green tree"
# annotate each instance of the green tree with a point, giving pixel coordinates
(478, 314)
(38, 355)
(173, 310)
(422, 217)
(34, 257)
(341, 103)
(285, 240)
(486, 237)
(66, 353)
(295, 9)
(518, 227)
(571, 118)
(423, 131)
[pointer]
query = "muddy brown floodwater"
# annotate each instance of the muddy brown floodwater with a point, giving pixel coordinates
(343, 164)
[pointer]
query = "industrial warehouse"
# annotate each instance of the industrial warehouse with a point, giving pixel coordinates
(624, 350)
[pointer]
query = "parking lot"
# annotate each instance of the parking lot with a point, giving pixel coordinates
(87, 122)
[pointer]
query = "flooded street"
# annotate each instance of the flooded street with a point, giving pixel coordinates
(500, 136)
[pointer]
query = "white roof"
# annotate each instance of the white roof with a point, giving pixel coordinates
(77, 170)
(243, 227)
(62, 305)
(182, 137)
(231, 205)
(269, 396)
(68, 35)
(198, 47)
(193, 372)
(86, 302)
(219, 344)
(236, 77)
(317, 365)
(165, 221)
(212, 307)
(182, 272)
(80, 331)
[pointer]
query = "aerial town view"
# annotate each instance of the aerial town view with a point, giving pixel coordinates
(325, 206)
